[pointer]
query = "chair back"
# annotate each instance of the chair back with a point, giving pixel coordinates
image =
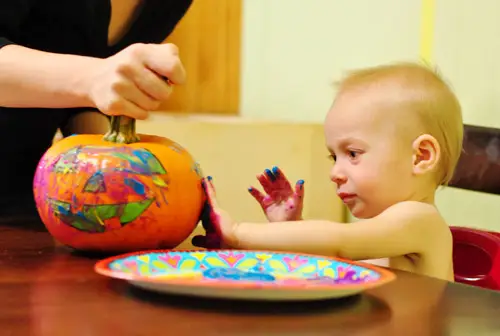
(476, 257)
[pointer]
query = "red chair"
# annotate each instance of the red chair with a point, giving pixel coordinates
(476, 257)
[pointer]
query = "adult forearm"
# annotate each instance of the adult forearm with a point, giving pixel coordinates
(31, 78)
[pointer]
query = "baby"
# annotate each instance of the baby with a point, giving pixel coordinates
(395, 135)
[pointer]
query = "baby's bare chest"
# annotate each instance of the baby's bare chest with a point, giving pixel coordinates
(434, 267)
(410, 263)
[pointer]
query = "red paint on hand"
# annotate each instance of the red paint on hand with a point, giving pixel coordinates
(281, 202)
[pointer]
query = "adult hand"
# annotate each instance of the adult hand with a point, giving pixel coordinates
(136, 80)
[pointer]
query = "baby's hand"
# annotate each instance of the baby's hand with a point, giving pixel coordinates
(218, 225)
(281, 203)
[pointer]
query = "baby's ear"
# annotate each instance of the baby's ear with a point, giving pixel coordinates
(426, 154)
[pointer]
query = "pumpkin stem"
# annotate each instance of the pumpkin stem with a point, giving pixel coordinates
(122, 130)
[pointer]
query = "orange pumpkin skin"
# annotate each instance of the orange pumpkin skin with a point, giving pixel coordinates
(96, 195)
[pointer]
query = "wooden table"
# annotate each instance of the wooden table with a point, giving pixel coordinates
(47, 290)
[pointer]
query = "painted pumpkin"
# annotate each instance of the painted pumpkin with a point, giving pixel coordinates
(120, 192)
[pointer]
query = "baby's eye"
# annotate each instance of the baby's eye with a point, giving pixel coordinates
(353, 154)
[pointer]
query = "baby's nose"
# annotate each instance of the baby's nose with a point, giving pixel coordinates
(337, 176)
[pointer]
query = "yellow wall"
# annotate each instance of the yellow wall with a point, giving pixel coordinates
(235, 150)
(294, 49)
(467, 50)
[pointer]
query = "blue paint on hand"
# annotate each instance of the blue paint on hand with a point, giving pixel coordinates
(270, 174)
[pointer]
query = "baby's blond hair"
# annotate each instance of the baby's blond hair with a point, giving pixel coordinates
(422, 90)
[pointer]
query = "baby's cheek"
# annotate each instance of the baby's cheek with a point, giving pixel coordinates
(365, 173)
(369, 179)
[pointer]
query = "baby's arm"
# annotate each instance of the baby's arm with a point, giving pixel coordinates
(402, 229)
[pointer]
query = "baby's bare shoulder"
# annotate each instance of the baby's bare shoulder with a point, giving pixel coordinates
(422, 215)
(427, 231)
(414, 210)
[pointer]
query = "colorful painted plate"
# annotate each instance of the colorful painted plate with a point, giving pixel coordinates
(256, 275)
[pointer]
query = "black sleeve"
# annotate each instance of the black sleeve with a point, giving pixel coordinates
(4, 42)
(12, 14)
(159, 20)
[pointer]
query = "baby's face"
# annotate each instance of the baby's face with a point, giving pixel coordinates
(373, 157)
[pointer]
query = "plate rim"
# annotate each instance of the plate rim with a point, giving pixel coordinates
(102, 267)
